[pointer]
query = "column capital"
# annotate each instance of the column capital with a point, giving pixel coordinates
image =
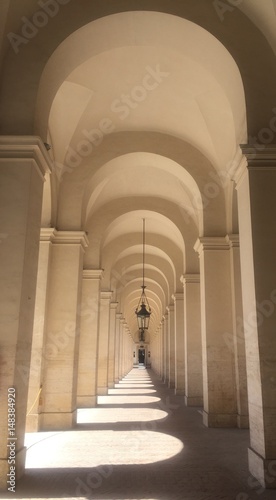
(106, 294)
(71, 238)
(114, 305)
(177, 296)
(170, 308)
(211, 243)
(238, 167)
(260, 155)
(233, 240)
(190, 278)
(47, 233)
(253, 157)
(26, 147)
(118, 315)
(92, 274)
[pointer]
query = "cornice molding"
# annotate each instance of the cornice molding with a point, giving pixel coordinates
(240, 170)
(106, 294)
(71, 238)
(211, 243)
(26, 147)
(233, 240)
(253, 157)
(260, 155)
(47, 233)
(190, 278)
(92, 274)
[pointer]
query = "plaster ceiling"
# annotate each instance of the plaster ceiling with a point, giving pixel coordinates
(142, 110)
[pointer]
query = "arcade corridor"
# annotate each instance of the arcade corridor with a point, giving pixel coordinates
(138, 152)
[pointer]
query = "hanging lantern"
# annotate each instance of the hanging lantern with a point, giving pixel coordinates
(142, 313)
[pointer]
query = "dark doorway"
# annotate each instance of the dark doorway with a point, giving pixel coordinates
(141, 356)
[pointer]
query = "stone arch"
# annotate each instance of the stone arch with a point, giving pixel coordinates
(51, 36)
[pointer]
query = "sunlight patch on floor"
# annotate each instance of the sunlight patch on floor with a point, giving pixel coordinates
(135, 381)
(113, 415)
(132, 384)
(126, 400)
(73, 449)
(131, 391)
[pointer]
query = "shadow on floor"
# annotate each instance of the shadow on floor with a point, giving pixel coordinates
(143, 450)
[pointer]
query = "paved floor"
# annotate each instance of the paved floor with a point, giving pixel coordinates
(140, 443)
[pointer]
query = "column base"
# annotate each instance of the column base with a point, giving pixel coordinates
(171, 385)
(262, 469)
(219, 420)
(110, 385)
(102, 391)
(32, 423)
(179, 392)
(86, 401)
(243, 421)
(59, 421)
(193, 401)
(6, 469)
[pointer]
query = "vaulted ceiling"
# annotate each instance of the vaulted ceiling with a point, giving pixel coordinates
(144, 105)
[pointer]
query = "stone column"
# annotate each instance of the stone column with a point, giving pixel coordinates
(111, 347)
(61, 351)
(127, 337)
(237, 344)
(23, 164)
(124, 349)
(128, 357)
(171, 336)
(178, 299)
(159, 351)
(88, 346)
(164, 349)
(256, 181)
(219, 387)
(121, 350)
(193, 343)
(103, 342)
(130, 353)
(167, 347)
(161, 335)
(37, 365)
(156, 353)
(153, 354)
(117, 347)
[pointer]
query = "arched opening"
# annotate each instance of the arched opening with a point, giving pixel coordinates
(144, 110)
